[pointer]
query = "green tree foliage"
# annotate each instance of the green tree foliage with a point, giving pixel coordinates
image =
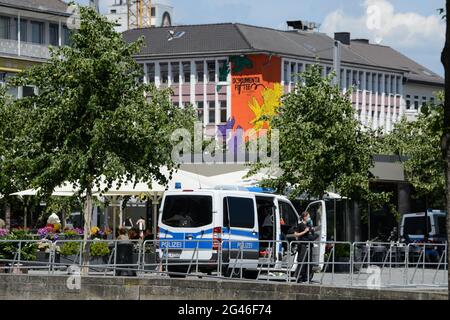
(322, 145)
(92, 118)
(417, 143)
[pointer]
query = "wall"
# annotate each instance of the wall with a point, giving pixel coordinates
(109, 288)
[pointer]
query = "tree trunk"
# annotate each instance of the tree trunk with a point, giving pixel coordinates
(87, 212)
(445, 58)
(7, 216)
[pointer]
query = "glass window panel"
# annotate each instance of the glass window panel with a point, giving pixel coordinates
(4, 27)
(54, 34)
(212, 112)
(186, 72)
(150, 72)
(164, 72)
(211, 71)
(175, 72)
(199, 68)
(37, 32)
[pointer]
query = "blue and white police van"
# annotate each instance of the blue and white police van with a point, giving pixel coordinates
(236, 228)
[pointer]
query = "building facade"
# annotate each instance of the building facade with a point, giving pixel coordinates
(230, 71)
(27, 29)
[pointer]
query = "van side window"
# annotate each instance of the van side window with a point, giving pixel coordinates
(226, 222)
(288, 214)
(241, 212)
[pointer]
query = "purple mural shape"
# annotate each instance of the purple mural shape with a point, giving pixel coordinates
(232, 138)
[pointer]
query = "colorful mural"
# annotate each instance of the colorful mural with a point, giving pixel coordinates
(255, 89)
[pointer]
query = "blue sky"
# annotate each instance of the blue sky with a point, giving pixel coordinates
(412, 27)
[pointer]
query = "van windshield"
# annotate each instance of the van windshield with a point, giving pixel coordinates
(416, 226)
(187, 211)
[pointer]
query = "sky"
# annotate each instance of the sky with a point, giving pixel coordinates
(412, 27)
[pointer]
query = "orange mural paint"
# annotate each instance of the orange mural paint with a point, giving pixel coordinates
(255, 90)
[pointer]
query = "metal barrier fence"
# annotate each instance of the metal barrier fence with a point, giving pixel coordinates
(364, 264)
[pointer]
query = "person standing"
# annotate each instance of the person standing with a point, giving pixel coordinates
(141, 227)
(304, 232)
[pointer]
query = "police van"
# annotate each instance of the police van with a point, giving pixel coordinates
(236, 228)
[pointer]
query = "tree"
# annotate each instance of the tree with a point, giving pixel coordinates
(418, 142)
(322, 145)
(445, 59)
(92, 120)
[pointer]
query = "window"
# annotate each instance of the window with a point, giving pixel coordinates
(67, 36)
(347, 78)
(223, 111)
(424, 101)
(211, 112)
(285, 70)
(288, 215)
(328, 70)
(293, 72)
(150, 72)
(211, 65)
(342, 78)
(416, 102)
(374, 82)
(431, 100)
(416, 225)
(408, 102)
(153, 12)
(5, 28)
(199, 67)
(200, 110)
(360, 80)
(393, 89)
(241, 212)
(37, 32)
(186, 72)
(368, 82)
(113, 11)
(54, 34)
(164, 72)
(23, 30)
(187, 211)
(387, 87)
(441, 229)
(223, 70)
(175, 72)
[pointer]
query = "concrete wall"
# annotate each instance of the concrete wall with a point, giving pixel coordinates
(117, 288)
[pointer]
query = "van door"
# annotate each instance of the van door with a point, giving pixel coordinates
(318, 213)
(186, 225)
(241, 232)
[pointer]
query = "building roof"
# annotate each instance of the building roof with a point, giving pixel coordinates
(226, 38)
(384, 55)
(51, 6)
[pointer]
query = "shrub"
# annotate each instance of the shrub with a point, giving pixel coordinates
(70, 248)
(99, 249)
(9, 249)
(342, 250)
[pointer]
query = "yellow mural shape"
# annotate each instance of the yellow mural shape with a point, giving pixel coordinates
(271, 102)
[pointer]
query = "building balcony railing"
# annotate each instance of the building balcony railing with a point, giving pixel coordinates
(26, 49)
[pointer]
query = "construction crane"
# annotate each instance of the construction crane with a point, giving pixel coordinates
(139, 14)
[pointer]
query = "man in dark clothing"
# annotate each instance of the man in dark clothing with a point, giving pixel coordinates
(304, 258)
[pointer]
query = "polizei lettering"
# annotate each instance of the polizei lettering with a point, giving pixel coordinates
(189, 310)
